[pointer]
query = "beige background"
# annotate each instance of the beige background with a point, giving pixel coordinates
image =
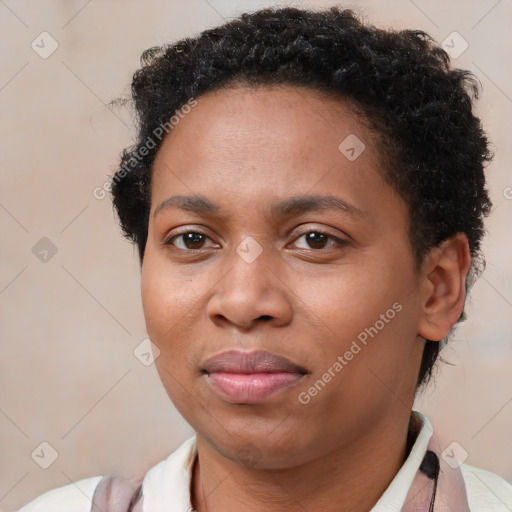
(69, 326)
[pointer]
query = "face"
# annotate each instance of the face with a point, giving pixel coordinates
(327, 284)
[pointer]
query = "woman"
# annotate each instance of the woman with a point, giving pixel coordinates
(307, 198)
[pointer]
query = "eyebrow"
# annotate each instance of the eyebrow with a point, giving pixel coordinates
(280, 209)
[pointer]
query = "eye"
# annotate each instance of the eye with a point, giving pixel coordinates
(192, 240)
(316, 239)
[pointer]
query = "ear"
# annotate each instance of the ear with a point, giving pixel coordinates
(443, 287)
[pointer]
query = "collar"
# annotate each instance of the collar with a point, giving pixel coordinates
(395, 495)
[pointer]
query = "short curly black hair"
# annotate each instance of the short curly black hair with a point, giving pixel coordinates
(399, 83)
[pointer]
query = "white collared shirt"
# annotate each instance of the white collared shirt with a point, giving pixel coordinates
(166, 486)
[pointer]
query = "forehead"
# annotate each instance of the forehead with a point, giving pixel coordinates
(266, 134)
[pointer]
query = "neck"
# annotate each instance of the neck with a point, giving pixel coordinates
(350, 478)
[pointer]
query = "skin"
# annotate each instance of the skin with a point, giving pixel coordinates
(245, 148)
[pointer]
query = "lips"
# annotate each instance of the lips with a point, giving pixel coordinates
(250, 377)
(259, 361)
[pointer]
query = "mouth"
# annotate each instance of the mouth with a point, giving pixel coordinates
(250, 377)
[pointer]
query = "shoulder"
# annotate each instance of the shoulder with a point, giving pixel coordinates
(75, 497)
(113, 492)
(486, 491)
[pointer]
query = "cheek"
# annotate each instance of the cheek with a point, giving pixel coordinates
(166, 320)
(163, 308)
(166, 295)
(173, 306)
(156, 302)
(368, 316)
(350, 298)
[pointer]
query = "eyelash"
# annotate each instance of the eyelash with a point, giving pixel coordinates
(338, 241)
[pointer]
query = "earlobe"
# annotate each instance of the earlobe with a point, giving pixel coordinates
(444, 287)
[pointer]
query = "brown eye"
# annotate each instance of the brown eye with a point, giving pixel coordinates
(192, 240)
(318, 239)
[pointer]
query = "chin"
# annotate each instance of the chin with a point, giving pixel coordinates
(259, 449)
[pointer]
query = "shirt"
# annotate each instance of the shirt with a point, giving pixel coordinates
(166, 486)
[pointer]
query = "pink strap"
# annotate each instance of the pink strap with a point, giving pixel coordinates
(450, 495)
(117, 494)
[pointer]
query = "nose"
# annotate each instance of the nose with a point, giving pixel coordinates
(251, 292)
